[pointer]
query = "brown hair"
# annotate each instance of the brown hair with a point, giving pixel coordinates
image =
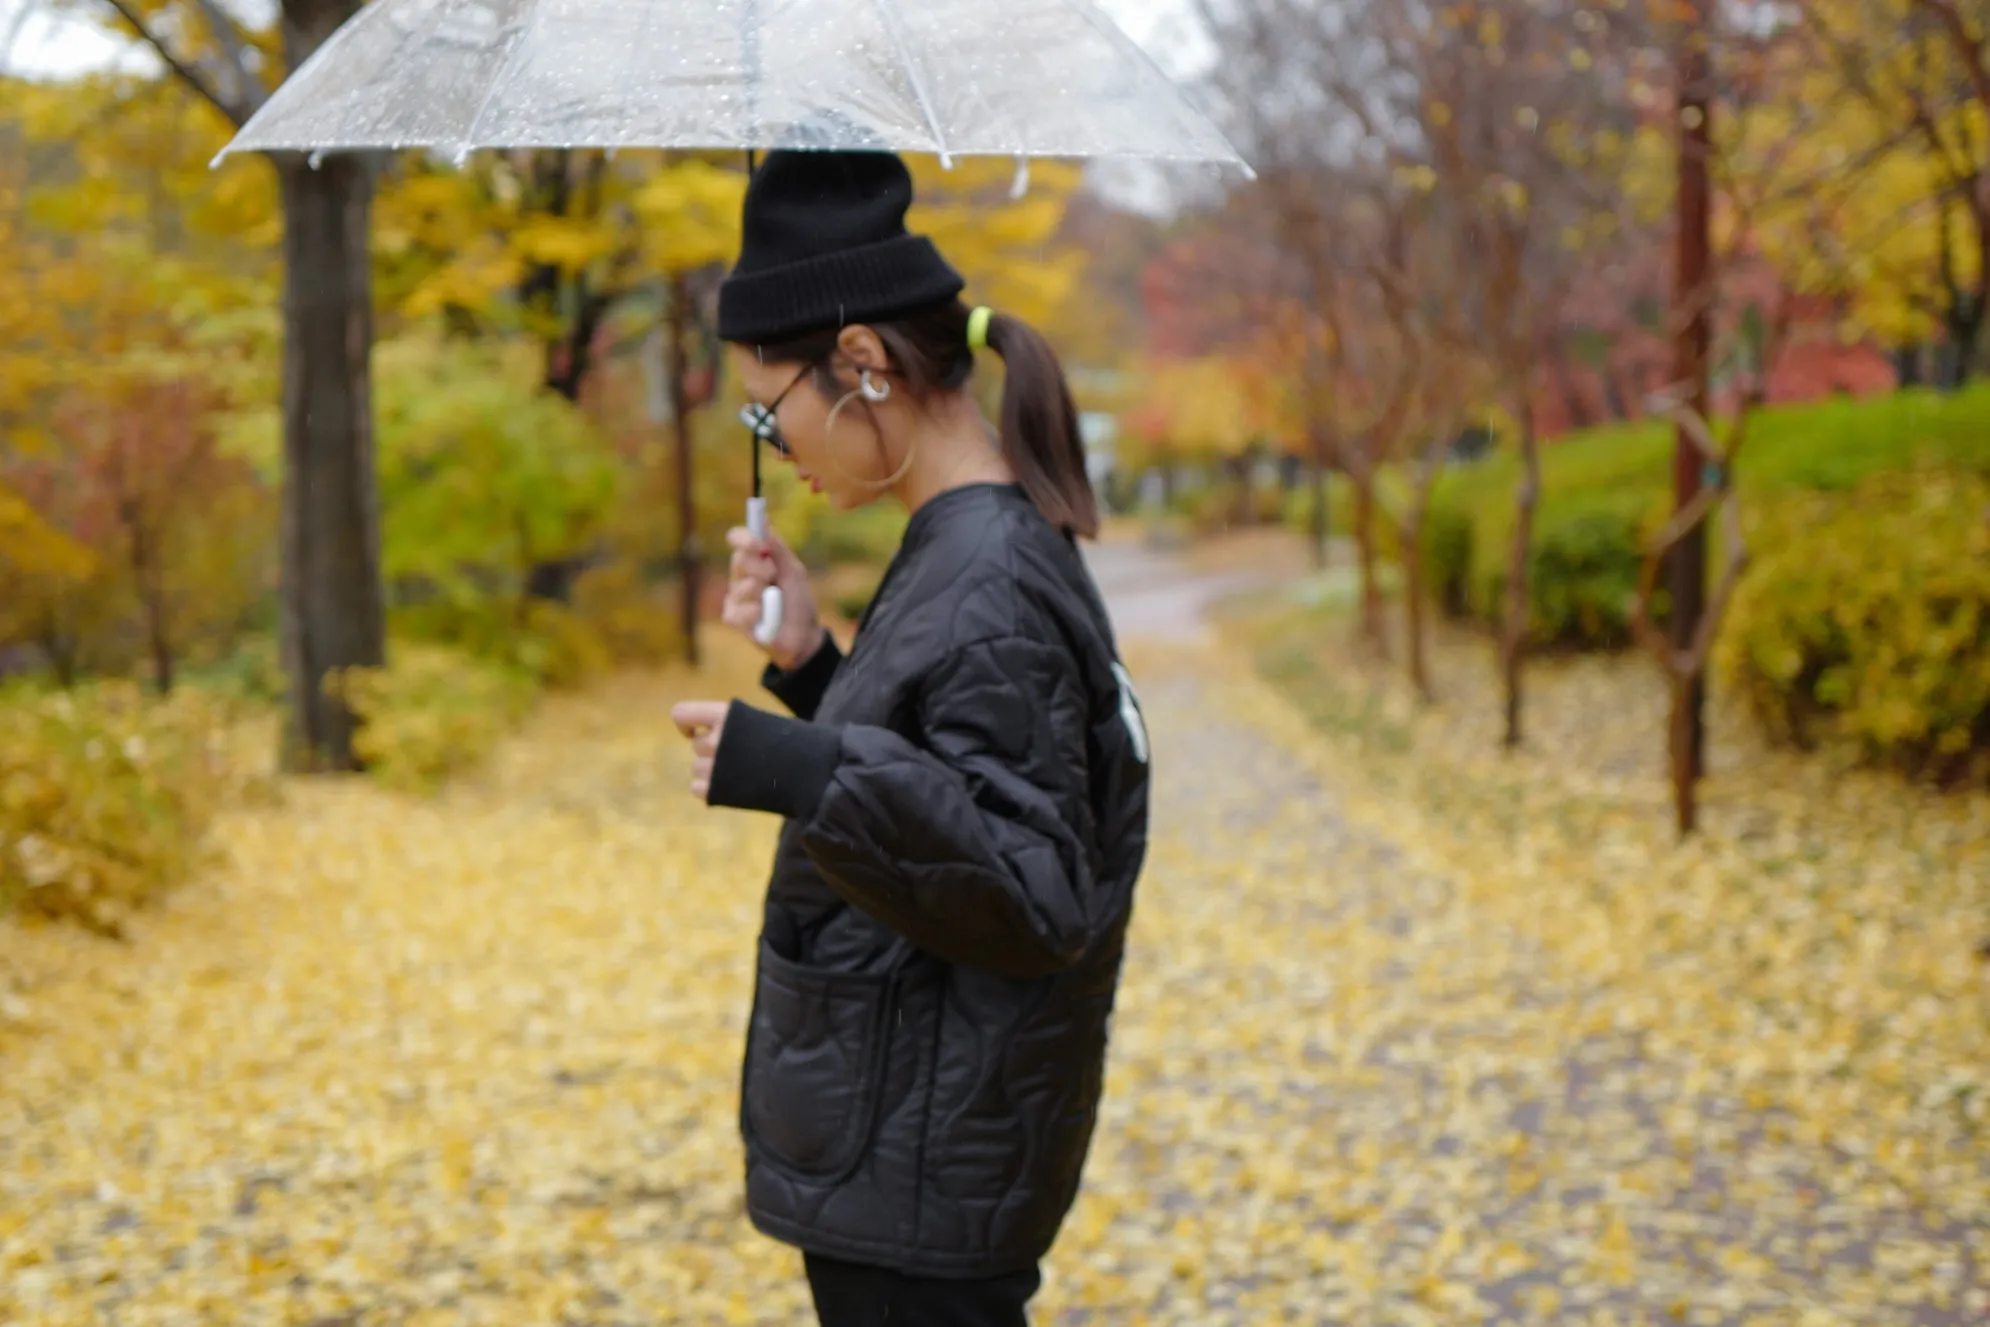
(1040, 438)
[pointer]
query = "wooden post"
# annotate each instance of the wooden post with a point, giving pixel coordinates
(687, 497)
(1692, 319)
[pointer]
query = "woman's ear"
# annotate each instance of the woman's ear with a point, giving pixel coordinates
(863, 348)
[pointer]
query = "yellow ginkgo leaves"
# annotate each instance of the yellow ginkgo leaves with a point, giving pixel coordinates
(475, 1059)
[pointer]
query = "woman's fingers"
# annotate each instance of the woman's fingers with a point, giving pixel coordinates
(695, 717)
(703, 721)
(753, 562)
(747, 546)
(741, 609)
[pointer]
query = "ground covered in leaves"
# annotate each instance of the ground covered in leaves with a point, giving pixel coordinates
(1396, 1046)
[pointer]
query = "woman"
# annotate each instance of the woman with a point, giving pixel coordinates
(965, 793)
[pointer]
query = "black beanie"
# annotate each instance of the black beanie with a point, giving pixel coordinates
(824, 245)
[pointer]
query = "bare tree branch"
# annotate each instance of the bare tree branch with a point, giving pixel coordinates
(248, 92)
(235, 111)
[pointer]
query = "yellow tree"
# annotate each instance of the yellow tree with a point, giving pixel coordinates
(1197, 412)
(1905, 159)
(690, 222)
(548, 242)
(40, 567)
(594, 258)
(136, 269)
(26, 332)
(1006, 246)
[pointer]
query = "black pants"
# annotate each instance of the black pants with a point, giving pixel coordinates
(853, 1295)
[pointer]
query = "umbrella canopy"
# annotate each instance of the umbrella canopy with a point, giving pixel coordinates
(1025, 78)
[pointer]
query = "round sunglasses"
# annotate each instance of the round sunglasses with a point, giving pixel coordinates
(760, 419)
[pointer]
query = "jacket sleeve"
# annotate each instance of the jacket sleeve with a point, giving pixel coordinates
(974, 845)
(802, 688)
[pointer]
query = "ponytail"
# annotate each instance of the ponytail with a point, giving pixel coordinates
(1040, 437)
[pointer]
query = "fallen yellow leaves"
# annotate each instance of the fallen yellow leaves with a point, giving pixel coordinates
(475, 1060)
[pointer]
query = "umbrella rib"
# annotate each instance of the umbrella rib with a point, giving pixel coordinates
(1132, 49)
(498, 79)
(325, 54)
(890, 20)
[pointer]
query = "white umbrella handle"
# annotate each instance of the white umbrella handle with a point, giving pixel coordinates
(771, 605)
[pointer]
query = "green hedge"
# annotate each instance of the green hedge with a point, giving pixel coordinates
(1585, 555)
(1866, 625)
(1604, 490)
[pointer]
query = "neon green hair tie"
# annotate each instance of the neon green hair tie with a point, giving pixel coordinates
(977, 327)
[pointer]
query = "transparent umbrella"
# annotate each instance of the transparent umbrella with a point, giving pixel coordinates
(1025, 78)
(1021, 78)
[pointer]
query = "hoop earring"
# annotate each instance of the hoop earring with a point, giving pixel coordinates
(876, 393)
(829, 448)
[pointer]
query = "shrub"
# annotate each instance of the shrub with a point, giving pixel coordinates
(1584, 562)
(432, 712)
(251, 672)
(546, 642)
(106, 794)
(1866, 625)
(1213, 509)
(634, 622)
(1447, 558)
(482, 475)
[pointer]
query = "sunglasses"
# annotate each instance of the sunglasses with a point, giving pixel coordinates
(761, 422)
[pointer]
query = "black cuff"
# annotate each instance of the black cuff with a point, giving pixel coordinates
(769, 762)
(801, 688)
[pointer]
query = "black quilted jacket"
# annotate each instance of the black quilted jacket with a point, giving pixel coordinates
(966, 796)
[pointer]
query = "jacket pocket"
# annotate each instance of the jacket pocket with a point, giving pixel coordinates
(814, 1076)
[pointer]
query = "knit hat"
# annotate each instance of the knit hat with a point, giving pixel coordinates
(824, 245)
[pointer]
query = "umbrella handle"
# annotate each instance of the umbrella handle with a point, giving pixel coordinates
(771, 605)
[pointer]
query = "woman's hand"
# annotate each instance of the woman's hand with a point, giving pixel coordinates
(757, 564)
(704, 722)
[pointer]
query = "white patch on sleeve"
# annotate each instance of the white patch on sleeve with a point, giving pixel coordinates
(1129, 712)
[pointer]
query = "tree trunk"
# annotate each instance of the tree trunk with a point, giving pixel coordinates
(158, 635)
(1513, 623)
(1413, 596)
(1907, 370)
(162, 648)
(146, 578)
(332, 612)
(1374, 631)
(570, 355)
(1316, 516)
(60, 652)
(1955, 359)
(1614, 399)
(1692, 316)
(687, 497)
(1573, 404)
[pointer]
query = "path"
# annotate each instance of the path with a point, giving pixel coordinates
(476, 1061)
